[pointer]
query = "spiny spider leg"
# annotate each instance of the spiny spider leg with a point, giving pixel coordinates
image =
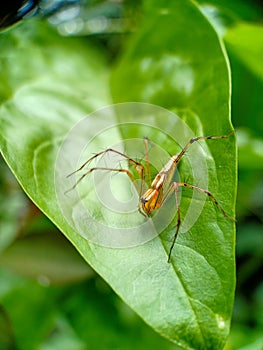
(176, 186)
(146, 149)
(137, 164)
(138, 167)
(200, 138)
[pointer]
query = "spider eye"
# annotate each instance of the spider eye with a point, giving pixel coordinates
(144, 200)
(13, 11)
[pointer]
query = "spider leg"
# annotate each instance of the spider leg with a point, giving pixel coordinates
(175, 188)
(147, 170)
(138, 166)
(200, 138)
(132, 178)
(209, 194)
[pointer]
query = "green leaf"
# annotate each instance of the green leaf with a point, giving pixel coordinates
(178, 62)
(182, 70)
(175, 60)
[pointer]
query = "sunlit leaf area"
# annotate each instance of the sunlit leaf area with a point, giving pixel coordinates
(97, 98)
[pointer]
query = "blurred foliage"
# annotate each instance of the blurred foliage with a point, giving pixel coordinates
(245, 49)
(40, 311)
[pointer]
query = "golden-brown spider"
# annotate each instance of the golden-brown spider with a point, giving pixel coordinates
(162, 185)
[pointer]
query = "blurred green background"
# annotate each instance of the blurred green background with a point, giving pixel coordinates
(53, 292)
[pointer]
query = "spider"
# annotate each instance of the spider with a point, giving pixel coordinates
(162, 185)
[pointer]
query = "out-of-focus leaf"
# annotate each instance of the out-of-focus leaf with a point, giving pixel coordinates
(63, 338)
(6, 331)
(31, 311)
(46, 257)
(246, 41)
(74, 317)
(13, 204)
(239, 9)
(108, 319)
(250, 151)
